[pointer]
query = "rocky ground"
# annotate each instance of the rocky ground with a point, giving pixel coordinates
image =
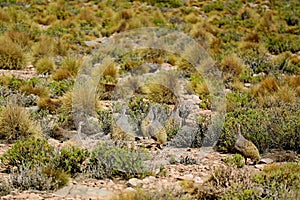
(191, 164)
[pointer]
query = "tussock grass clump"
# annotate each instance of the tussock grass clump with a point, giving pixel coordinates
(60, 74)
(47, 103)
(16, 123)
(232, 64)
(20, 38)
(34, 86)
(11, 54)
(268, 85)
(44, 47)
(69, 69)
(45, 65)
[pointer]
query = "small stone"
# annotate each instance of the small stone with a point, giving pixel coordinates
(135, 182)
(188, 177)
(266, 160)
(129, 190)
(149, 179)
(260, 167)
(198, 180)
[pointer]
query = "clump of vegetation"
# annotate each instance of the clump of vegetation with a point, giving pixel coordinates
(16, 123)
(49, 104)
(29, 153)
(236, 160)
(71, 159)
(38, 178)
(41, 166)
(11, 54)
(34, 86)
(267, 128)
(275, 181)
(142, 194)
(45, 65)
(108, 161)
(4, 188)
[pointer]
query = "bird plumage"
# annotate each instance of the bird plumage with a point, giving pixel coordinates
(246, 147)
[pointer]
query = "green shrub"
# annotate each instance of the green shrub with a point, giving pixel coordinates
(280, 43)
(29, 153)
(11, 55)
(71, 158)
(109, 161)
(105, 119)
(58, 88)
(236, 160)
(16, 123)
(216, 5)
(267, 128)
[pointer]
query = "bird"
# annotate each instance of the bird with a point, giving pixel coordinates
(246, 147)
(151, 127)
(146, 122)
(157, 130)
(175, 116)
(123, 123)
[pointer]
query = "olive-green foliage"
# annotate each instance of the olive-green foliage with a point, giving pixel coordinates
(71, 158)
(281, 43)
(267, 128)
(10, 81)
(142, 194)
(236, 160)
(29, 153)
(281, 178)
(72, 65)
(274, 182)
(58, 88)
(35, 152)
(35, 86)
(105, 119)
(16, 123)
(109, 161)
(11, 54)
(165, 3)
(287, 63)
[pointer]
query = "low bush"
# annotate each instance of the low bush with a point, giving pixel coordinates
(71, 159)
(274, 182)
(236, 160)
(29, 152)
(268, 128)
(38, 177)
(109, 161)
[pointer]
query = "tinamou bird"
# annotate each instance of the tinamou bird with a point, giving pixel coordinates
(151, 127)
(246, 148)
